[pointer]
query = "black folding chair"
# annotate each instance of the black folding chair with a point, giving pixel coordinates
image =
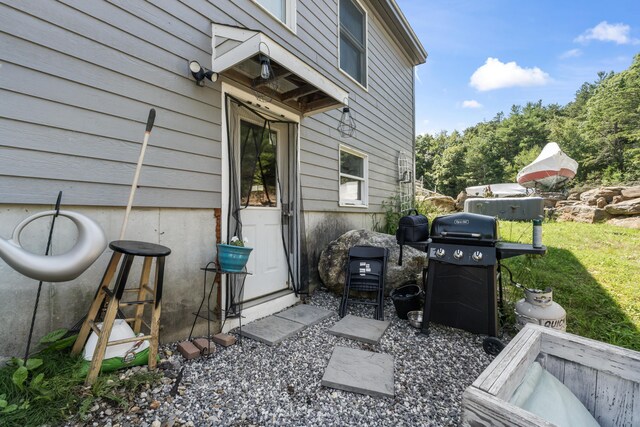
(365, 272)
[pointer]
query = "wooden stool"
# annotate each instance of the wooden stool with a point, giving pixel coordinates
(130, 249)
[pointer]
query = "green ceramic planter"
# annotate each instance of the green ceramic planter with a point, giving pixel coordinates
(233, 258)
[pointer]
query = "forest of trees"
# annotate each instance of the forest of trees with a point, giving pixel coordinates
(600, 129)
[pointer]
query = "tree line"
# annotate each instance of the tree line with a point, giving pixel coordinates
(600, 129)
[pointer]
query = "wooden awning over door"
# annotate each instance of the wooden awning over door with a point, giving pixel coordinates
(236, 56)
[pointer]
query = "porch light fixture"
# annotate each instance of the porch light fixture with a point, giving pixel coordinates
(267, 78)
(347, 124)
(199, 73)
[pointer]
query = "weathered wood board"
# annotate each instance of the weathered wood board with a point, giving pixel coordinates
(605, 378)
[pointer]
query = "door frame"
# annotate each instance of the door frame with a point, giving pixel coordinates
(244, 95)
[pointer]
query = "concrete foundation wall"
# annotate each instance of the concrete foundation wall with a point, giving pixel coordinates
(190, 233)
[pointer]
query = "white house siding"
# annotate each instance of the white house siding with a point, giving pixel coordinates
(78, 78)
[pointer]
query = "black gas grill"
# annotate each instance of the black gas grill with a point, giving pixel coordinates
(461, 284)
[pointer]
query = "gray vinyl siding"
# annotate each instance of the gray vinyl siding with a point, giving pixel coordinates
(77, 80)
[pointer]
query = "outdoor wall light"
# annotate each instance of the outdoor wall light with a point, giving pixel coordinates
(347, 124)
(267, 78)
(200, 73)
(265, 68)
(265, 63)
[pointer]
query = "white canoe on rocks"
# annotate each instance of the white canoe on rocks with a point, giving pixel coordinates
(551, 169)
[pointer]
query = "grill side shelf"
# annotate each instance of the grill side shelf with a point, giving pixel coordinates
(509, 250)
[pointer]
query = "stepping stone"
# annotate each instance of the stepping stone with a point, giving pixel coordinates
(306, 314)
(360, 371)
(359, 328)
(271, 330)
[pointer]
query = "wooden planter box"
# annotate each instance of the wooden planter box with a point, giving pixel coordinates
(605, 378)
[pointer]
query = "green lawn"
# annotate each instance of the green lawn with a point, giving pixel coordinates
(594, 270)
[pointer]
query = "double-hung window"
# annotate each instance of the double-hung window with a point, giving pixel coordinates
(282, 10)
(353, 40)
(353, 177)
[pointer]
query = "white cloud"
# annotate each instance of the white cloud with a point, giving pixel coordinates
(605, 32)
(496, 75)
(471, 104)
(573, 53)
(417, 75)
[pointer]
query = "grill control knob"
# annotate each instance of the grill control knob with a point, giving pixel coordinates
(440, 252)
(477, 256)
(458, 254)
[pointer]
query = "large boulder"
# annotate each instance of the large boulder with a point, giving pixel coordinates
(628, 207)
(581, 213)
(591, 197)
(462, 196)
(333, 260)
(631, 192)
(441, 202)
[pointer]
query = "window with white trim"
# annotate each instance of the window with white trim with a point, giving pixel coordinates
(282, 10)
(353, 177)
(353, 40)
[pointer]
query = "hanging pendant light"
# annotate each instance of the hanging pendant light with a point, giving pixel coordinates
(267, 78)
(347, 124)
(265, 68)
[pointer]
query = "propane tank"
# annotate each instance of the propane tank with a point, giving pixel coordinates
(538, 307)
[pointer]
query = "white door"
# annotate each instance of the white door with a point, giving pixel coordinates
(261, 154)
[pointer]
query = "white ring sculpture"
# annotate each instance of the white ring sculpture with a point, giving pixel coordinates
(90, 244)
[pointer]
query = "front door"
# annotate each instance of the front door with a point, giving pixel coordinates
(262, 150)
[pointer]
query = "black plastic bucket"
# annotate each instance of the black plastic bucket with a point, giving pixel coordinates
(406, 298)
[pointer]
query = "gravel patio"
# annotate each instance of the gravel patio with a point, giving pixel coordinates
(253, 384)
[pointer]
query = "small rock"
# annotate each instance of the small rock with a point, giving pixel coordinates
(143, 395)
(154, 405)
(156, 423)
(108, 412)
(134, 409)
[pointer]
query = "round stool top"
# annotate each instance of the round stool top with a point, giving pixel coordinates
(133, 247)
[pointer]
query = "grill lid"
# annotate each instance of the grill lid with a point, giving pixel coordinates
(465, 228)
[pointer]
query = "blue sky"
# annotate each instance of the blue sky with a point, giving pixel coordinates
(486, 55)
